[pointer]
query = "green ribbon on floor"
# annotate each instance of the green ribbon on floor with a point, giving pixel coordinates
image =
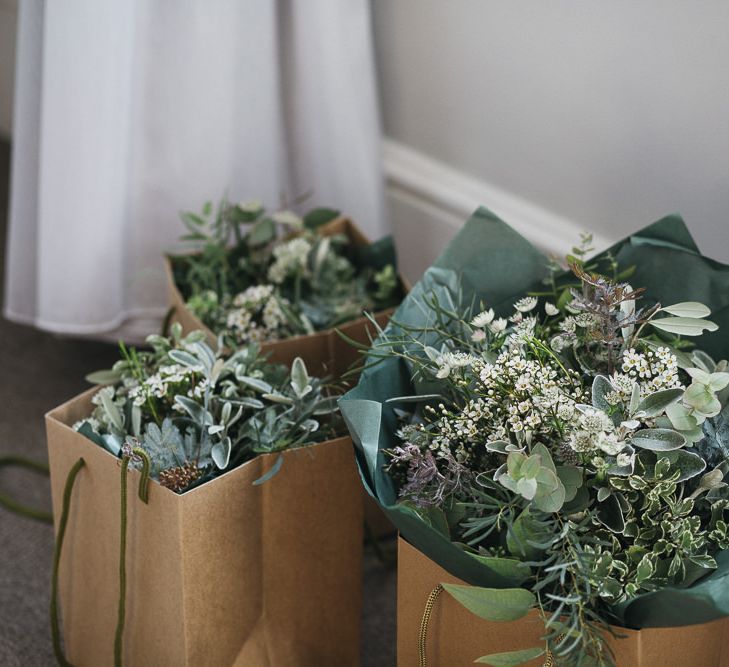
(13, 505)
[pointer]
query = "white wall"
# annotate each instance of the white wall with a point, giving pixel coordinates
(608, 114)
(8, 19)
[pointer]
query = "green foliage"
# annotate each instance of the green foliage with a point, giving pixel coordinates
(579, 434)
(511, 658)
(254, 276)
(534, 478)
(493, 604)
(197, 411)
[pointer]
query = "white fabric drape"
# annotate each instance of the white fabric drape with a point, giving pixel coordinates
(128, 111)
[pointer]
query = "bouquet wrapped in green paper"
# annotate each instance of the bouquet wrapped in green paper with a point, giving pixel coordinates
(558, 436)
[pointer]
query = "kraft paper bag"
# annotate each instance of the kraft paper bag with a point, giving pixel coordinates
(325, 353)
(226, 574)
(457, 637)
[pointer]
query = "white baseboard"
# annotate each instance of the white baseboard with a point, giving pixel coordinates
(448, 197)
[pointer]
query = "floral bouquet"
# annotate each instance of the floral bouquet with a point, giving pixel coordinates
(558, 436)
(258, 277)
(194, 413)
(223, 556)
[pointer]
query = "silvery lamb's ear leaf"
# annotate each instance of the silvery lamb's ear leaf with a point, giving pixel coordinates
(216, 370)
(601, 387)
(627, 309)
(688, 309)
(136, 420)
(327, 405)
(248, 402)
(654, 404)
(203, 351)
(112, 410)
(196, 336)
(186, 359)
(634, 398)
(310, 425)
(104, 377)
(684, 326)
(299, 378)
(500, 446)
(255, 383)
(320, 253)
(237, 416)
(273, 470)
(658, 439)
(220, 453)
(279, 398)
(195, 410)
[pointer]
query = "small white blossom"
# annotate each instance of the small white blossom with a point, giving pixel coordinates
(526, 304)
(595, 421)
(624, 459)
(289, 258)
(483, 319)
(551, 309)
(610, 444)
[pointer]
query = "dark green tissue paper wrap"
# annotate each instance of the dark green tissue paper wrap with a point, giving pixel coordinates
(489, 260)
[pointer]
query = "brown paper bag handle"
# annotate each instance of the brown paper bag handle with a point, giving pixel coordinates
(129, 453)
(425, 621)
(423, 634)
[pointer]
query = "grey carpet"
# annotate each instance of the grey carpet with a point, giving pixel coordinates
(37, 372)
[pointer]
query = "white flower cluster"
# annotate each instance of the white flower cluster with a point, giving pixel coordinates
(459, 434)
(450, 361)
(485, 321)
(289, 258)
(652, 371)
(568, 330)
(527, 396)
(158, 385)
(256, 315)
(596, 435)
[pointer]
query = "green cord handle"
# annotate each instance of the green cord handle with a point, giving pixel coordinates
(55, 629)
(143, 492)
(13, 505)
